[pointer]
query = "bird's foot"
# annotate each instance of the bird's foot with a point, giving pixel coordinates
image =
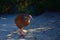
(23, 33)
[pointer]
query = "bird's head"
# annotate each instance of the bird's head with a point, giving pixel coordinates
(27, 17)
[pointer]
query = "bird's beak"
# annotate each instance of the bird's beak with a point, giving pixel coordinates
(30, 16)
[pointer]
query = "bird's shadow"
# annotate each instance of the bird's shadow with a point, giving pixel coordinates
(21, 36)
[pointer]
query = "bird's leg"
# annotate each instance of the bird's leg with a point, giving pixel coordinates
(22, 32)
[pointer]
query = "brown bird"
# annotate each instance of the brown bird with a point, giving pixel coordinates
(22, 21)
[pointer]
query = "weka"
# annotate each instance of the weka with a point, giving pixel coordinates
(22, 20)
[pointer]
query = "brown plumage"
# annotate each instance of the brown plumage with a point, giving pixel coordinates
(22, 21)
